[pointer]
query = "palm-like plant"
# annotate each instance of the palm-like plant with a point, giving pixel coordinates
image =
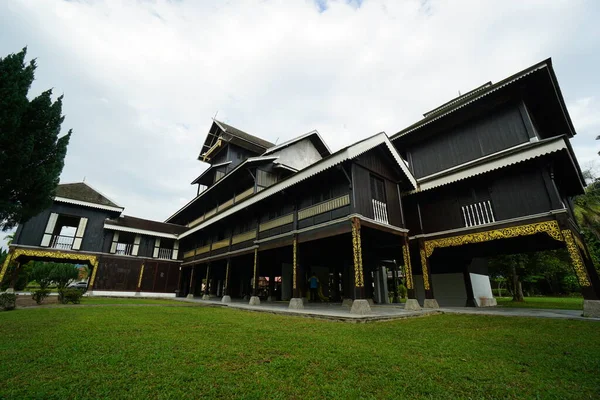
(9, 238)
(587, 208)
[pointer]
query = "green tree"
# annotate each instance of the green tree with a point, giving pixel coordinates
(587, 209)
(63, 274)
(31, 151)
(42, 273)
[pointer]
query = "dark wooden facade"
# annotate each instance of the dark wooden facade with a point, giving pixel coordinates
(489, 172)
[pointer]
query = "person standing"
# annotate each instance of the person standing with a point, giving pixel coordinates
(313, 284)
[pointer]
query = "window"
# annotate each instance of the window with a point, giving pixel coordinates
(219, 175)
(377, 189)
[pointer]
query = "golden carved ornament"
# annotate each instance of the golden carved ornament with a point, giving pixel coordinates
(407, 267)
(141, 275)
(255, 278)
(294, 260)
(357, 253)
(425, 270)
(576, 258)
(92, 260)
(549, 227)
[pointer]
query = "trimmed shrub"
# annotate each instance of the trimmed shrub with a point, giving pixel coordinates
(8, 301)
(40, 295)
(66, 296)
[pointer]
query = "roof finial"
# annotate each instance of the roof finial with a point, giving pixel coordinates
(84, 178)
(215, 115)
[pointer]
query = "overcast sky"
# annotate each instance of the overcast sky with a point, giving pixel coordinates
(142, 79)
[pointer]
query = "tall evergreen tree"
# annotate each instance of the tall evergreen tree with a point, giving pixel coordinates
(31, 151)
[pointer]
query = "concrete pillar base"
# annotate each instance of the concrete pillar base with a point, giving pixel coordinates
(487, 302)
(226, 299)
(371, 302)
(430, 303)
(205, 297)
(270, 299)
(347, 303)
(591, 308)
(246, 298)
(190, 296)
(137, 294)
(254, 301)
(10, 290)
(412, 305)
(360, 307)
(296, 304)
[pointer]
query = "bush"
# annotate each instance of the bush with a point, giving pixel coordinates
(8, 301)
(66, 296)
(40, 295)
(402, 291)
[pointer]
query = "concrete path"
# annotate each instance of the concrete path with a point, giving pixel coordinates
(387, 312)
(519, 312)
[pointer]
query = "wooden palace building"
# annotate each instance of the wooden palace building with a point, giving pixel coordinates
(489, 172)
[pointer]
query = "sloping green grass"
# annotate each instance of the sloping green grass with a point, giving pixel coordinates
(118, 300)
(559, 303)
(203, 352)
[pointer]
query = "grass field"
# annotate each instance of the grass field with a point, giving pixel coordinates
(193, 352)
(117, 300)
(562, 303)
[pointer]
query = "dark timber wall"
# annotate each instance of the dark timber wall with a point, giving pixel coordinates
(32, 231)
(504, 128)
(513, 192)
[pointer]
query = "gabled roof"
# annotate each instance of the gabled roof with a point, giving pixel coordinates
(336, 158)
(212, 167)
(313, 136)
(245, 163)
(127, 223)
(485, 90)
(80, 193)
(229, 133)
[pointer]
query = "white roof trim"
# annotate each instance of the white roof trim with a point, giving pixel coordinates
(140, 231)
(527, 154)
(88, 204)
(343, 155)
(246, 161)
(297, 139)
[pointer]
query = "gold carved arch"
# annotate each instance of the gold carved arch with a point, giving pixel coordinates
(551, 228)
(93, 260)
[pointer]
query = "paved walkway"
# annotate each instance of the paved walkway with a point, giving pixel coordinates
(335, 311)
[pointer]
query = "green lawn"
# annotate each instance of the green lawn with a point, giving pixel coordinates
(193, 352)
(564, 303)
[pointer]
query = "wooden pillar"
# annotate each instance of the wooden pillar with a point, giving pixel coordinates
(139, 285)
(179, 283)
(430, 301)
(5, 265)
(227, 278)
(408, 275)
(255, 274)
(192, 282)
(14, 276)
(295, 270)
(359, 282)
(206, 287)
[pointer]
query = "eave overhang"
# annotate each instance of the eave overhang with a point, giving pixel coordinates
(88, 204)
(517, 154)
(140, 231)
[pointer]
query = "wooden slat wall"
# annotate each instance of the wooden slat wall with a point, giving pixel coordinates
(324, 207)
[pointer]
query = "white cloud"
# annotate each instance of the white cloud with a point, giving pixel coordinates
(142, 79)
